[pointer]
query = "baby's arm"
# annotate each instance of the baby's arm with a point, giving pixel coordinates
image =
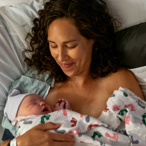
(62, 104)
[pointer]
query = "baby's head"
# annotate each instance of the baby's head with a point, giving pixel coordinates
(25, 104)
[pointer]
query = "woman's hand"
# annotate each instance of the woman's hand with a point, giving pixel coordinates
(40, 136)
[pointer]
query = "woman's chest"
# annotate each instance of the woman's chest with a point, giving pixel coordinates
(89, 101)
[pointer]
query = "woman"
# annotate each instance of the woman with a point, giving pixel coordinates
(75, 41)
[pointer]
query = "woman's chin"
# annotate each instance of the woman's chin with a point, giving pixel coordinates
(69, 74)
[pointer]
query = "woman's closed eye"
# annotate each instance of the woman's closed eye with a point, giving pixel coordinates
(53, 45)
(65, 45)
(71, 46)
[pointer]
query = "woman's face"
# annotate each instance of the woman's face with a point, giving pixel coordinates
(71, 51)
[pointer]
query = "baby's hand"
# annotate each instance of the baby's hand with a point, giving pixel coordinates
(62, 104)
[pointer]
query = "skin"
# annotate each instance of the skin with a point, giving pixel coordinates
(33, 104)
(86, 95)
(72, 51)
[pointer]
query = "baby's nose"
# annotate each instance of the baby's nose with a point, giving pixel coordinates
(42, 103)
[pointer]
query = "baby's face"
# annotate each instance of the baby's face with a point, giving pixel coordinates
(33, 105)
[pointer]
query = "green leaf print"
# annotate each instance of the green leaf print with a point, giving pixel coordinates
(47, 117)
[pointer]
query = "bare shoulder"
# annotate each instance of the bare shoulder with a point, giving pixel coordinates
(124, 78)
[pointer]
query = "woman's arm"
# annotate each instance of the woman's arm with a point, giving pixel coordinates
(40, 136)
(5, 143)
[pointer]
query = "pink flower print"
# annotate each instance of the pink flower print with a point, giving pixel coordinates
(74, 121)
(106, 109)
(116, 107)
(115, 136)
(64, 112)
(71, 132)
(127, 120)
(131, 106)
(81, 116)
(76, 131)
(92, 125)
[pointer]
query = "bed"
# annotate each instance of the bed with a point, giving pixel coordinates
(16, 20)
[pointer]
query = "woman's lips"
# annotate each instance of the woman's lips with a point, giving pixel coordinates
(66, 65)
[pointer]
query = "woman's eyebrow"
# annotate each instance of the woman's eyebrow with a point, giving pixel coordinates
(64, 41)
(51, 41)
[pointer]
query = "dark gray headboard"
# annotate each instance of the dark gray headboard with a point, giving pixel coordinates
(131, 42)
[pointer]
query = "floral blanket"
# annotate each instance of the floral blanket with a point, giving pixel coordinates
(122, 123)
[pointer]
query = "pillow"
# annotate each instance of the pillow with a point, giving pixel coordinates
(131, 36)
(11, 2)
(128, 12)
(15, 22)
(131, 42)
(140, 74)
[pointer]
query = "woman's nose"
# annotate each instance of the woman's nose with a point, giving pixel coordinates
(61, 54)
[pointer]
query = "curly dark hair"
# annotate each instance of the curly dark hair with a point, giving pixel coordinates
(93, 22)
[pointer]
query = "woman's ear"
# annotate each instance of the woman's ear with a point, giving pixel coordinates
(92, 41)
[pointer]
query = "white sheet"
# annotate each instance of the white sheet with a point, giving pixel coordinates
(128, 12)
(140, 74)
(15, 22)
(12, 2)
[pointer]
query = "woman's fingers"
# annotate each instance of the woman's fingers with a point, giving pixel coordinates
(48, 126)
(64, 144)
(61, 137)
(40, 136)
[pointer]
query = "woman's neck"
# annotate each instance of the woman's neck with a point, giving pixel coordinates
(80, 81)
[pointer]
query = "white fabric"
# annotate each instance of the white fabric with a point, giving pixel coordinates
(13, 142)
(1, 128)
(12, 2)
(12, 105)
(15, 22)
(129, 12)
(123, 108)
(140, 74)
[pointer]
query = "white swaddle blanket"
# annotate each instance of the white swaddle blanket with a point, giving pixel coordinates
(123, 122)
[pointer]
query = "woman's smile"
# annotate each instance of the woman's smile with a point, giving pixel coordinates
(66, 66)
(72, 51)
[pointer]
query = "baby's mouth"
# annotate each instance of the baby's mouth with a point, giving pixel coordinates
(45, 109)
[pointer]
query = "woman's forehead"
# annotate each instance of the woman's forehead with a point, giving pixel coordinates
(62, 29)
